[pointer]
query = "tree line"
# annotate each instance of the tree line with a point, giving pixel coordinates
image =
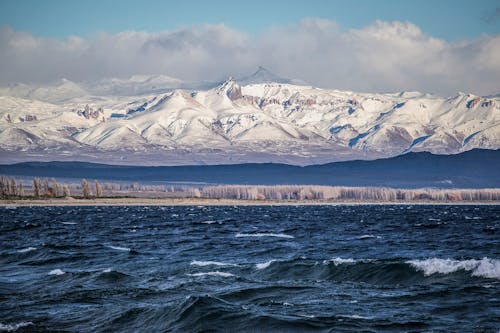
(301, 192)
(45, 188)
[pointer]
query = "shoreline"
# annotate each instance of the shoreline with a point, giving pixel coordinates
(218, 202)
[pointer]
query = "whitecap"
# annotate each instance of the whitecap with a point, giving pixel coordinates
(355, 316)
(107, 270)
(214, 273)
(28, 249)
(210, 263)
(210, 222)
(486, 267)
(119, 248)
(264, 264)
(339, 261)
(14, 327)
(69, 223)
(56, 271)
(307, 316)
(368, 236)
(259, 234)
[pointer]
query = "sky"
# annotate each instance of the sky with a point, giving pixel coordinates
(439, 46)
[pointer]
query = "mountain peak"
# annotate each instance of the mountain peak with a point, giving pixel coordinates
(263, 75)
(230, 88)
(262, 71)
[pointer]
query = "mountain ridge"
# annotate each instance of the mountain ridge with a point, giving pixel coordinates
(241, 122)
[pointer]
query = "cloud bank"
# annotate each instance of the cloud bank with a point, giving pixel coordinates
(383, 56)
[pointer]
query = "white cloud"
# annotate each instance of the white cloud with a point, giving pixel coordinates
(384, 56)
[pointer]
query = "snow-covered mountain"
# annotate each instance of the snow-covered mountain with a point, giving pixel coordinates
(261, 118)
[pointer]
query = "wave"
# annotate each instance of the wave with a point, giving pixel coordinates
(339, 261)
(378, 271)
(214, 273)
(264, 264)
(197, 313)
(355, 316)
(111, 275)
(210, 222)
(486, 267)
(369, 236)
(210, 263)
(56, 272)
(28, 249)
(69, 223)
(120, 248)
(14, 327)
(261, 234)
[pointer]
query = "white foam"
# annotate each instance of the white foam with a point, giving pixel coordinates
(28, 249)
(355, 316)
(259, 234)
(368, 236)
(107, 270)
(214, 273)
(210, 263)
(69, 223)
(119, 248)
(489, 268)
(211, 222)
(14, 327)
(56, 271)
(339, 261)
(264, 264)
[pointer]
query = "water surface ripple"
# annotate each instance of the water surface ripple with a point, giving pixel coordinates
(250, 269)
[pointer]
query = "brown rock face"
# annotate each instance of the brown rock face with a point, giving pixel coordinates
(234, 92)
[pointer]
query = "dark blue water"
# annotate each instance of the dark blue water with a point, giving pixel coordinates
(250, 269)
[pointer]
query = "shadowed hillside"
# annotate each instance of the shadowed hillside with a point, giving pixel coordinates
(472, 169)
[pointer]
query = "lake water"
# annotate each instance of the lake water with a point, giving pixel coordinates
(250, 269)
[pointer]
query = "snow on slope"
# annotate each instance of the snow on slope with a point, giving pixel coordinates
(304, 123)
(135, 85)
(60, 91)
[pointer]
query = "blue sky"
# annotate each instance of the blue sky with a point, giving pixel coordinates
(446, 19)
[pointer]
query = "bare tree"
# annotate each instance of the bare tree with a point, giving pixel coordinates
(98, 189)
(4, 186)
(66, 192)
(13, 187)
(20, 189)
(36, 187)
(55, 187)
(46, 187)
(86, 188)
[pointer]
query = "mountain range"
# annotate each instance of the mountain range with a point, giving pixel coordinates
(159, 120)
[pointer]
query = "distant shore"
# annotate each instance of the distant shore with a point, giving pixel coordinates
(218, 202)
